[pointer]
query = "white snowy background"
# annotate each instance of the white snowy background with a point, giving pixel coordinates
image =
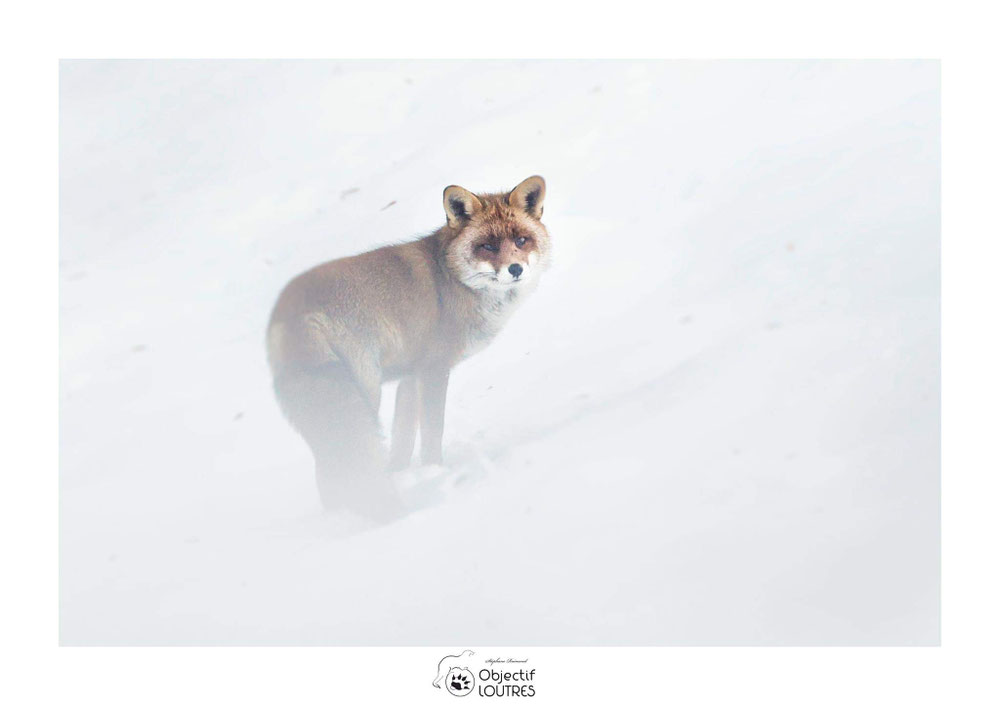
(716, 421)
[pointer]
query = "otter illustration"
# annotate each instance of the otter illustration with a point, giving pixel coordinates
(447, 663)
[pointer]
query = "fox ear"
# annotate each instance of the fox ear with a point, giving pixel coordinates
(529, 196)
(460, 205)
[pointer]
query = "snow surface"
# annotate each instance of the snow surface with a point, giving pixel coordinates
(715, 422)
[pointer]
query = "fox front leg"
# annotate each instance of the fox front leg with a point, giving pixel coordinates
(433, 389)
(404, 424)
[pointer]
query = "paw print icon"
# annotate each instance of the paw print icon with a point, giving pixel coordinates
(460, 681)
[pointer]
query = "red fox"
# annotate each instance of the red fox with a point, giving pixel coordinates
(408, 312)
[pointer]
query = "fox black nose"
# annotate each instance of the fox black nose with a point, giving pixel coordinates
(515, 270)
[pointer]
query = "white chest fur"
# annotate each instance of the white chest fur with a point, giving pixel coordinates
(495, 307)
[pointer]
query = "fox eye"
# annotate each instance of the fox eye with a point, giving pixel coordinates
(520, 241)
(490, 247)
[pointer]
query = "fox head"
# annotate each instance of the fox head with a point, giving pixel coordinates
(498, 241)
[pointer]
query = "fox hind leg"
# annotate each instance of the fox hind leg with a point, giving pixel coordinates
(334, 415)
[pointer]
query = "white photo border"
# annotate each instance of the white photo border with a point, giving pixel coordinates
(36, 36)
